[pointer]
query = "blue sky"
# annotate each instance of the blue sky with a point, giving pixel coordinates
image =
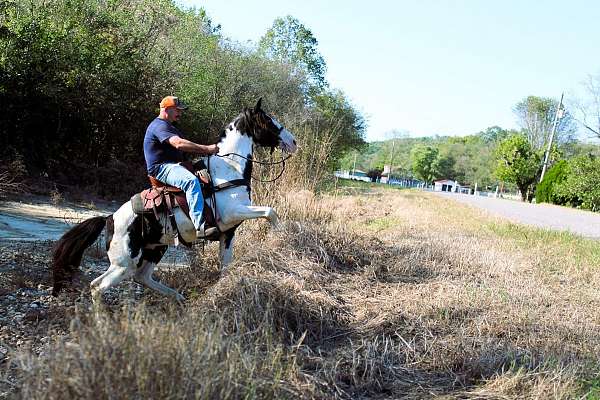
(436, 67)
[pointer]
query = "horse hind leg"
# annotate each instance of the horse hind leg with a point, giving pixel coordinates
(144, 276)
(97, 280)
(151, 256)
(121, 267)
(112, 277)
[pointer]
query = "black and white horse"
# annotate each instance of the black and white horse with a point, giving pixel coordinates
(136, 243)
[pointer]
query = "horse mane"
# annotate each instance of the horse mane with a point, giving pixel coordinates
(242, 123)
(256, 125)
(245, 122)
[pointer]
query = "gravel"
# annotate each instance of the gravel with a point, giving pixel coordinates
(30, 317)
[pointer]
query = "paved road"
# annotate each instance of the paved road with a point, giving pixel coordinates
(548, 216)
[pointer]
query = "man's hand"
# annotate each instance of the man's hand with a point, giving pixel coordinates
(212, 149)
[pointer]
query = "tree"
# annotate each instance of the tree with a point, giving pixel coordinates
(536, 117)
(374, 174)
(82, 79)
(423, 158)
(395, 135)
(443, 166)
(493, 134)
(332, 129)
(428, 164)
(518, 163)
(290, 42)
(588, 108)
(472, 156)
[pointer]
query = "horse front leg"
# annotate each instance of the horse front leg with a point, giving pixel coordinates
(243, 213)
(226, 248)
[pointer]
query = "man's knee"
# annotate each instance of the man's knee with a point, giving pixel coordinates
(190, 183)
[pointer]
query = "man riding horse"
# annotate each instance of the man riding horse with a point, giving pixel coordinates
(136, 241)
(163, 150)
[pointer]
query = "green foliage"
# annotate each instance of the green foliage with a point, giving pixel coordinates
(591, 388)
(429, 164)
(493, 135)
(545, 191)
(290, 42)
(536, 116)
(576, 148)
(444, 166)
(335, 114)
(374, 174)
(472, 159)
(518, 163)
(77, 79)
(468, 159)
(81, 79)
(474, 156)
(582, 184)
(423, 162)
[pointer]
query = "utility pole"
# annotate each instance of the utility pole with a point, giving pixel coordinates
(557, 116)
(354, 167)
(391, 161)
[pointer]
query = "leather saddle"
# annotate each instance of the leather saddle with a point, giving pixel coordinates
(161, 199)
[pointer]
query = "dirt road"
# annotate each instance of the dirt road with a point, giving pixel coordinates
(39, 219)
(548, 216)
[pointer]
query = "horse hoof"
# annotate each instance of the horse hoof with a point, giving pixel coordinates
(99, 308)
(97, 300)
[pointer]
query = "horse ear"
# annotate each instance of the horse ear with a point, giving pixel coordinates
(258, 105)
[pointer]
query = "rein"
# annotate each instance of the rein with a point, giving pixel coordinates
(281, 161)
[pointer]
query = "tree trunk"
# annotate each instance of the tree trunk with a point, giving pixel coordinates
(524, 191)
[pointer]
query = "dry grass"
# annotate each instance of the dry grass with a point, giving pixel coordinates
(394, 294)
(9, 184)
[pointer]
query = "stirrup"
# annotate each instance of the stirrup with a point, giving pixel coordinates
(204, 233)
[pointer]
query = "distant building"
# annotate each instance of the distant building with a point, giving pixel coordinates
(356, 175)
(385, 175)
(448, 185)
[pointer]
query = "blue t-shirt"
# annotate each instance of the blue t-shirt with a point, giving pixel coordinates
(157, 149)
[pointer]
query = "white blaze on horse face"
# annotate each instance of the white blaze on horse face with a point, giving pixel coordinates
(287, 142)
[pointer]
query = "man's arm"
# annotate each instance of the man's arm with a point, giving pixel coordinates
(190, 147)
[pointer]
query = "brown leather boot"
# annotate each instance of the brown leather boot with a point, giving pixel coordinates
(205, 232)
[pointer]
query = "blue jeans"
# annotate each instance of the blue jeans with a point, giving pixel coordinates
(178, 176)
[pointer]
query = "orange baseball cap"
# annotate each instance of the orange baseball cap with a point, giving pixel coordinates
(172, 101)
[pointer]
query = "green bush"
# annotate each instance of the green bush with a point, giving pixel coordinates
(581, 187)
(81, 80)
(546, 189)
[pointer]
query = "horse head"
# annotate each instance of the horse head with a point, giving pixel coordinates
(265, 130)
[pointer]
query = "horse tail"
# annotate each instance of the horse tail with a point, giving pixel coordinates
(69, 249)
